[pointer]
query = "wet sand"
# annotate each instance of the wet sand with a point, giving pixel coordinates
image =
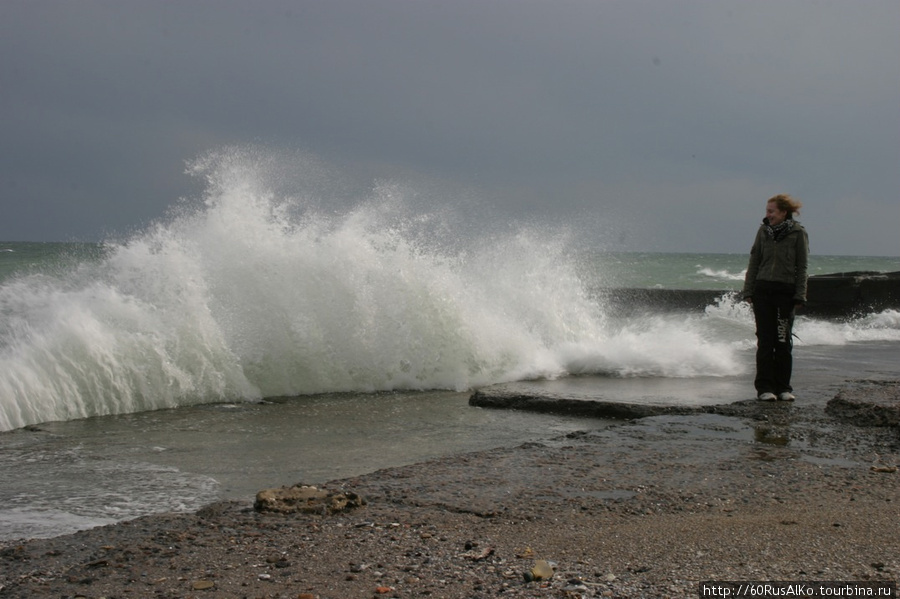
(649, 508)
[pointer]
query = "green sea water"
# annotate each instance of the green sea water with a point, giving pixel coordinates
(598, 269)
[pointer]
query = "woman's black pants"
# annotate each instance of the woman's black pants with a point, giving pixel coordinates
(773, 308)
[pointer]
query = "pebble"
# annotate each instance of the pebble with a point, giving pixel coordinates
(202, 585)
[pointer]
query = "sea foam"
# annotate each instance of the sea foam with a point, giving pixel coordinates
(256, 290)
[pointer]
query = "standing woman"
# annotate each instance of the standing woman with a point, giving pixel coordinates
(776, 285)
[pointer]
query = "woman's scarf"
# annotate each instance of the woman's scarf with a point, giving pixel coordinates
(779, 230)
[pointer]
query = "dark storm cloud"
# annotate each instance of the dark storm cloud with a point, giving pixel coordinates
(670, 117)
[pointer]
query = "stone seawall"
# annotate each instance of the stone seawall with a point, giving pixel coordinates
(846, 294)
(835, 295)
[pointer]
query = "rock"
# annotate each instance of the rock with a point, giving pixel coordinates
(477, 556)
(202, 585)
(867, 403)
(542, 570)
(305, 499)
(887, 469)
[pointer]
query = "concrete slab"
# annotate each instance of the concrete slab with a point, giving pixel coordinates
(620, 398)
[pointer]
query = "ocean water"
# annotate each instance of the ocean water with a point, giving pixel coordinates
(258, 334)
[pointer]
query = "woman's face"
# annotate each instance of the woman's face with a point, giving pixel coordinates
(774, 215)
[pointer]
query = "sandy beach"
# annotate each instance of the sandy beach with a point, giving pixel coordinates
(650, 508)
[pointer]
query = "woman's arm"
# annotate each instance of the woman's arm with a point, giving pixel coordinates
(752, 268)
(802, 267)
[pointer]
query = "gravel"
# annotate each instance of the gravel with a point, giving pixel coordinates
(649, 508)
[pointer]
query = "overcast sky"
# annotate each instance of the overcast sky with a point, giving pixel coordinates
(669, 121)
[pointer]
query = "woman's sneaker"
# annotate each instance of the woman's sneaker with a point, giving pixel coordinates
(786, 396)
(767, 397)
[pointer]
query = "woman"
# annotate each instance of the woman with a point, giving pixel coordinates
(776, 285)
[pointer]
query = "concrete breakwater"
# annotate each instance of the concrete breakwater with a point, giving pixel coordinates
(835, 295)
(862, 403)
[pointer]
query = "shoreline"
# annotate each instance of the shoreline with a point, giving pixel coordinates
(648, 508)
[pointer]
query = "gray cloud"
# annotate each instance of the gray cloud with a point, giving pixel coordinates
(674, 119)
